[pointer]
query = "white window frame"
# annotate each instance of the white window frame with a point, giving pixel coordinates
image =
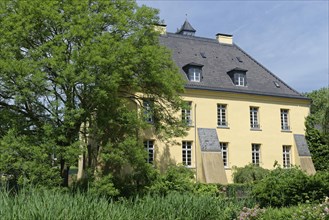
(187, 114)
(286, 153)
(149, 147)
(240, 79)
(194, 74)
(284, 113)
(222, 115)
(224, 149)
(255, 154)
(254, 118)
(187, 153)
(148, 111)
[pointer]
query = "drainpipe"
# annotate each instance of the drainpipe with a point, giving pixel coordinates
(195, 145)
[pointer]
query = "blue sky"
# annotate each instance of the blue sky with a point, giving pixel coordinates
(290, 38)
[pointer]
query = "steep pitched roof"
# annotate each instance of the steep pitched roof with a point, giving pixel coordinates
(217, 60)
(186, 27)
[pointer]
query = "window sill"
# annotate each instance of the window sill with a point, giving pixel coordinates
(255, 129)
(286, 131)
(223, 126)
(227, 168)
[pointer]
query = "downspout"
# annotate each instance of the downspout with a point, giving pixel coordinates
(195, 145)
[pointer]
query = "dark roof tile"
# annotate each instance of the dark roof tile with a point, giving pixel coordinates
(222, 58)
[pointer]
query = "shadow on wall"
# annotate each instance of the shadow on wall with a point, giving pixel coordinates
(165, 159)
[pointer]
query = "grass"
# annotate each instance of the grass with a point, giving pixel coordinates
(51, 204)
(33, 204)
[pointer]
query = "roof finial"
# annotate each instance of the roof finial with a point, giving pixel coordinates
(186, 16)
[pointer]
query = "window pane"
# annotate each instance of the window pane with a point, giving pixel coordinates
(221, 115)
(149, 147)
(187, 153)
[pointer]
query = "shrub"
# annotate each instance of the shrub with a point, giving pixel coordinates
(103, 187)
(239, 190)
(249, 173)
(176, 178)
(286, 187)
(315, 212)
(208, 189)
(251, 213)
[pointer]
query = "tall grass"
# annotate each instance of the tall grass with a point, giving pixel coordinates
(50, 204)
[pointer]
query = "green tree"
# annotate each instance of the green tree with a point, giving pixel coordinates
(317, 132)
(74, 70)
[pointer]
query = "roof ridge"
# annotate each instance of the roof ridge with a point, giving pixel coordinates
(275, 76)
(194, 38)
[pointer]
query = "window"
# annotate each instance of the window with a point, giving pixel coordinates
(223, 146)
(240, 79)
(284, 119)
(221, 115)
(286, 156)
(148, 114)
(149, 147)
(187, 153)
(238, 76)
(255, 149)
(194, 74)
(254, 117)
(186, 114)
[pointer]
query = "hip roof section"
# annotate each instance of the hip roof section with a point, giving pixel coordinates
(218, 59)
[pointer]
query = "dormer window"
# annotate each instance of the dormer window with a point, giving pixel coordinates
(240, 79)
(238, 76)
(194, 74)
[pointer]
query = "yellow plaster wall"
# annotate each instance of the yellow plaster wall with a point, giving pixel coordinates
(238, 135)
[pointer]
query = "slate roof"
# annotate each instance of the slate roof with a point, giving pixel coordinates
(209, 140)
(217, 60)
(301, 144)
(186, 27)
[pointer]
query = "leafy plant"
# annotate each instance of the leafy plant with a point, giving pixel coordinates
(248, 174)
(286, 187)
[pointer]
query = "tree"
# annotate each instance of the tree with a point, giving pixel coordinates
(317, 132)
(75, 70)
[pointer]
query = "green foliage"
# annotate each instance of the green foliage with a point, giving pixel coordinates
(286, 187)
(239, 190)
(176, 178)
(317, 130)
(78, 70)
(248, 174)
(313, 212)
(103, 187)
(208, 189)
(24, 163)
(54, 204)
(251, 213)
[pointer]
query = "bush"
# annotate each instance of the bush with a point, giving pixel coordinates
(286, 187)
(314, 212)
(176, 178)
(208, 189)
(103, 187)
(249, 173)
(239, 190)
(251, 213)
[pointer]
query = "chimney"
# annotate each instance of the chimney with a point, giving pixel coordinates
(224, 38)
(160, 28)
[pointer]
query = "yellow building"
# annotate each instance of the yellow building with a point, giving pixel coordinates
(240, 112)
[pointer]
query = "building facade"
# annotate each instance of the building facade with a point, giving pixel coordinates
(239, 112)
